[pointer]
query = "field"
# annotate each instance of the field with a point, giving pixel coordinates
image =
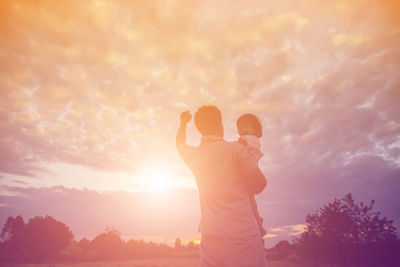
(149, 263)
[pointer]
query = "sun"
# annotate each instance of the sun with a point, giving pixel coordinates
(156, 179)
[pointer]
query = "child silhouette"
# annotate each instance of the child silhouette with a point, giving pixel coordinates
(250, 130)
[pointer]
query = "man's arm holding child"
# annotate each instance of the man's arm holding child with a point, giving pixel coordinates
(253, 180)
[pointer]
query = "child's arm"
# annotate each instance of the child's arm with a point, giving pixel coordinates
(254, 153)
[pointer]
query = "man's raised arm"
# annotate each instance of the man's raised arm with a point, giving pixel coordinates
(181, 135)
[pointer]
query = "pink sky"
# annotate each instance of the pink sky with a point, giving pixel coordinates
(91, 92)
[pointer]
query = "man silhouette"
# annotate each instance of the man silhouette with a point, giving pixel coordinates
(224, 175)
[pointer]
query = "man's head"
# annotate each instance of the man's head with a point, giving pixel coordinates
(249, 124)
(208, 121)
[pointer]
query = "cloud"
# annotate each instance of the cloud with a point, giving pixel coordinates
(101, 84)
(293, 230)
(79, 89)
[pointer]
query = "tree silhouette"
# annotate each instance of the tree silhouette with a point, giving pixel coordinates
(40, 238)
(84, 244)
(344, 232)
(178, 243)
(11, 227)
(12, 234)
(191, 245)
(44, 239)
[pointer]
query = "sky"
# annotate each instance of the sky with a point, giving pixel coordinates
(91, 92)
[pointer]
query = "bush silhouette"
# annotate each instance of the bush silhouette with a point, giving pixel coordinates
(107, 245)
(280, 251)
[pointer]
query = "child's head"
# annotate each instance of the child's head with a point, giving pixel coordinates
(249, 124)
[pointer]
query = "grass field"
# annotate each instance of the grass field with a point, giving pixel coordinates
(149, 263)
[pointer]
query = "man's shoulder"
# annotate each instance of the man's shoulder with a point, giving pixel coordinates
(185, 146)
(185, 149)
(233, 146)
(236, 144)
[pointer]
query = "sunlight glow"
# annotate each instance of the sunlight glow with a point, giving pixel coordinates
(156, 179)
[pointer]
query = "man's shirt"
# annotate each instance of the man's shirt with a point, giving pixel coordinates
(218, 167)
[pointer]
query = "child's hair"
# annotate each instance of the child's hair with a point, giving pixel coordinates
(251, 120)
